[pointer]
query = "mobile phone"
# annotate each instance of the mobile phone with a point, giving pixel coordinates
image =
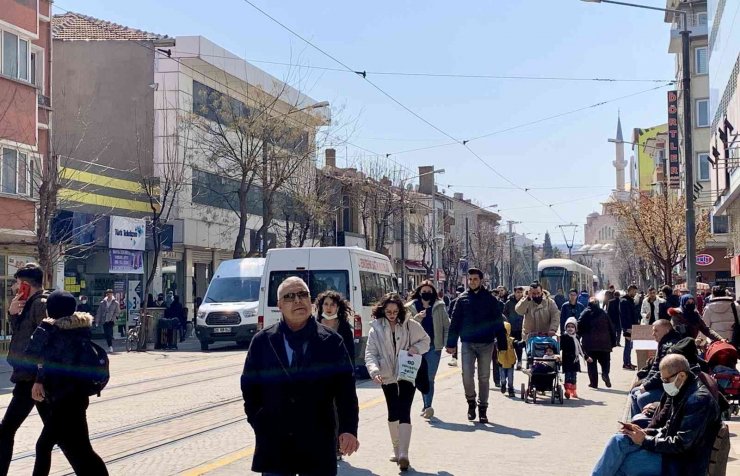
(625, 425)
(24, 291)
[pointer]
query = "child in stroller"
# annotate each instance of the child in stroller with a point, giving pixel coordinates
(543, 372)
(722, 358)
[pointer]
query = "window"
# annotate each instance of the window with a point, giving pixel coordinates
(238, 289)
(701, 19)
(15, 56)
(374, 286)
(720, 224)
(8, 171)
(36, 67)
(703, 167)
(702, 113)
(318, 282)
(22, 174)
(700, 60)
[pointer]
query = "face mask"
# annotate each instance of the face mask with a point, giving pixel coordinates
(84, 301)
(671, 388)
(427, 296)
(690, 307)
(330, 317)
(537, 299)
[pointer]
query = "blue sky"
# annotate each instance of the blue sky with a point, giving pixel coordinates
(563, 38)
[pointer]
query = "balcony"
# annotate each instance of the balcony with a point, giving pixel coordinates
(697, 25)
(44, 101)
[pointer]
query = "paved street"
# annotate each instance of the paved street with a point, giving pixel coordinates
(168, 413)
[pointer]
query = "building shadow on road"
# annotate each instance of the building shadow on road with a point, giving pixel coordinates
(344, 468)
(613, 391)
(580, 402)
(491, 427)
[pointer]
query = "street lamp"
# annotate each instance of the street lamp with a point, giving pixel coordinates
(688, 146)
(403, 223)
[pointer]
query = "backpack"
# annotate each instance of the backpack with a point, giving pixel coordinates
(93, 367)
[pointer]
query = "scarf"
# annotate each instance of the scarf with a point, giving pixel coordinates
(576, 341)
(298, 340)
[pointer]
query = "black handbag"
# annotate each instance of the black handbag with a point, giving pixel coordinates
(422, 377)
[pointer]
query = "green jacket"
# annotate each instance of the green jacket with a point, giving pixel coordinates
(441, 322)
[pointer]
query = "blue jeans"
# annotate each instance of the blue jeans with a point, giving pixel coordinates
(507, 378)
(571, 377)
(627, 355)
(471, 353)
(638, 399)
(621, 457)
(432, 359)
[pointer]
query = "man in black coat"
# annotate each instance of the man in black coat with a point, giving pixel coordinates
(628, 316)
(598, 340)
(477, 320)
(294, 373)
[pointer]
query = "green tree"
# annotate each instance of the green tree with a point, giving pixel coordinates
(547, 251)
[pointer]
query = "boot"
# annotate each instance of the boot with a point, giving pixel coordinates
(482, 414)
(567, 390)
(471, 410)
(404, 439)
(393, 429)
(573, 392)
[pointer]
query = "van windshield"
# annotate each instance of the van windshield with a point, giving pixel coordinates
(318, 282)
(236, 289)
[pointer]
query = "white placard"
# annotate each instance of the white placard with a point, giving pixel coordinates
(127, 233)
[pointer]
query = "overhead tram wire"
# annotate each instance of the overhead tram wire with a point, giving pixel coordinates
(464, 143)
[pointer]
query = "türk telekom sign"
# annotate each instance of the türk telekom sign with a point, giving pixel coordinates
(673, 161)
(127, 233)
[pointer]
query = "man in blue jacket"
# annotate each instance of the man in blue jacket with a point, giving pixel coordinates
(628, 316)
(572, 308)
(477, 320)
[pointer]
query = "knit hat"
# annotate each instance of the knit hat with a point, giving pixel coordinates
(571, 320)
(60, 304)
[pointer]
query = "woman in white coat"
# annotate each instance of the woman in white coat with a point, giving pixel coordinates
(393, 331)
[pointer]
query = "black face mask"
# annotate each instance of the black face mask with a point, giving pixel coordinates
(689, 307)
(427, 296)
(537, 299)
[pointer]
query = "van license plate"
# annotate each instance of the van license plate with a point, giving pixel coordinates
(221, 330)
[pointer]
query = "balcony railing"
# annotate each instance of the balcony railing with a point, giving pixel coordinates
(44, 100)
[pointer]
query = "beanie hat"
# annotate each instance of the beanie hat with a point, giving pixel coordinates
(571, 320)
(60, 304)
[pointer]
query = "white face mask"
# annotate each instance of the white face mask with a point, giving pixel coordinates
(670, 388)
(329, 317)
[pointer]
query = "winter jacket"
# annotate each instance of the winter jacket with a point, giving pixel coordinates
(612, 310)
(647, 318)
(292, 411)
(570, 310)
(381, 355)
(57, 344)
(571, 362)
(718, 316)
(347, 332)
(669, 302)
(507, 358)
(583, 298)
(686, 438)
(608, 296)
(107, 312)
(628, 315)
(23, 325)
(477, 318)
(539, 318)
(440, 319)
(596, 330)
(652, 379)
(559, 300)
(511, 315)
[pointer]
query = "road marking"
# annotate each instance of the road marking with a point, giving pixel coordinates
(247, 452)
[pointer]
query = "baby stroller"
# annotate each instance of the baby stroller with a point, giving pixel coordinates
(543, 372)
(722, 359)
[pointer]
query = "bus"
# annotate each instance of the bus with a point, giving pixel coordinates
(565, 274)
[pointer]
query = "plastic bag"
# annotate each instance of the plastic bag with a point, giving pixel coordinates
(408, 366)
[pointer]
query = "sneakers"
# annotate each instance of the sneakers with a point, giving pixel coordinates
(503, 389)
(427, 413)
(629, 367)
(511, 393)
(452, 362)
(482, 417)
(471, 410)
(110, 349)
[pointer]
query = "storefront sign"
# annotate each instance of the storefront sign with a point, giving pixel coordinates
(673, 158)
(127, 233)
(17, 262)
(704, 259)
(126, 262)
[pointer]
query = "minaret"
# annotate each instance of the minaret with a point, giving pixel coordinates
(619, 163)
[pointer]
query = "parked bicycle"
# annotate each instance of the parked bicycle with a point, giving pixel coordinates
(134, 336)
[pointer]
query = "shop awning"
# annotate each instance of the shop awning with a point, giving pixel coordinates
(415, 266)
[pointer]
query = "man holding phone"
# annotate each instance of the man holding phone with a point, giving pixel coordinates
(27, 310)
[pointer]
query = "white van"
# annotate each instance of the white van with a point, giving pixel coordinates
(362, 276)
(229, 309)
